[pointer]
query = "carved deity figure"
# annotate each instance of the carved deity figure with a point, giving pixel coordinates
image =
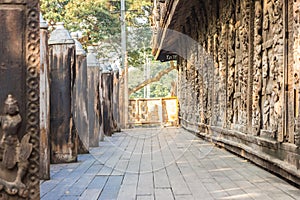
(276, 14)
(267, 13)
(258, 23)
(14, 154)
(277, 110)
(266, 114)
(265, 71)
(10, 124)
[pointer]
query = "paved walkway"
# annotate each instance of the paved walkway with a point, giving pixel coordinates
(162, 164)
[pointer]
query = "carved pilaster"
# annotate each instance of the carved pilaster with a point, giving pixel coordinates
(290, 79)
(19, 100)
(245, 68)
(296, 47)
(257, 69)
(230, 66)
(238, 67)
(216, 107)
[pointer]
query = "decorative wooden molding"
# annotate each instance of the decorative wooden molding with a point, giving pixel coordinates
(19, 74)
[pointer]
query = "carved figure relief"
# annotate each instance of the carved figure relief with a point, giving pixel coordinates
(244, 42)
(257, 79)
(222, 73)
(205, 81)
(13, 153)
(216, 78)
(238, 66)
(231, 71)
(272, 67)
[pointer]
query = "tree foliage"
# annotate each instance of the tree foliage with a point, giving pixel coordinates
(99, 21)
(161, 88)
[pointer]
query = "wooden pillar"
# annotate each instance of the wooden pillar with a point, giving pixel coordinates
(106, 101)
(80, 98)
(19, 99)
(62, 132)
(93, 69)
(44, 102)
(116, 94)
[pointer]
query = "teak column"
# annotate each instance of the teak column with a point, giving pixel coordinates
(80, 98)
(44, 102)
(62, 64)
(93, 70)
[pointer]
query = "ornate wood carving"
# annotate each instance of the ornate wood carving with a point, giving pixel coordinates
(245, 68)
(296, 14)
(245, 75)
(257, 69)
(19, 72)
(272, 66)
(13, 153)
(230, 64)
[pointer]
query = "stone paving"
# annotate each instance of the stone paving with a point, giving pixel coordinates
(162, 164)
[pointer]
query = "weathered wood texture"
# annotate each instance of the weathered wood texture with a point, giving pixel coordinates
(121, 98)
(19, 99)
(294, 63)
(238, 74)
(62, 70)
(116, 94)
(106, 102)
(44, 103)
(94, 112)
(80, 98)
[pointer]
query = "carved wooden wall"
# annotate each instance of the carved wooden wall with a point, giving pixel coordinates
(243, 74)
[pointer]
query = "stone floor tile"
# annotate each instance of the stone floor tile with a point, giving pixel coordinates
(90, 194)
(161, 179)
(145, 184)
(163, 194)
(127, 192)
(144, 197)
(162, 163)
(111, 188)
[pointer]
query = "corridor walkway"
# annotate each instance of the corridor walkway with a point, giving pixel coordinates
(162, 164)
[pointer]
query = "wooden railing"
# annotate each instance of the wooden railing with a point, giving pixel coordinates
(153, 111)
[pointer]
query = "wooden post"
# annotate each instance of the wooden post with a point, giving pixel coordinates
(62, 65)
(116, 94)
(93, 68)
(80, 98)
(106, 102)
(44, 102)
(19, 99)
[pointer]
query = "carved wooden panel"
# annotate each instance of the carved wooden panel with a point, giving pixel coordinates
(244, 75)
(272, 68)
(19, 99)
(257, 69)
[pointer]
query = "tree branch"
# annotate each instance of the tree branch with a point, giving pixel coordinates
(151, 80)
